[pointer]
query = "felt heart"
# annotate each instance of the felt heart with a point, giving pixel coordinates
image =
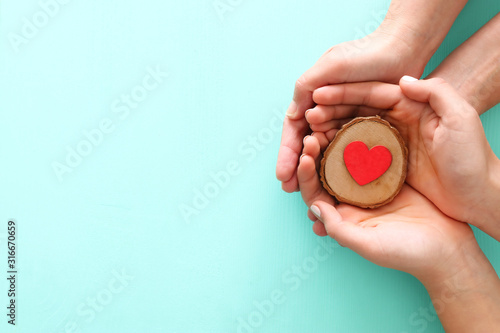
(366, 165)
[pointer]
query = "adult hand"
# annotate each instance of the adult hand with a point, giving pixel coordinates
(403, 44)
(380, 56)
(450, 160)
(410, 234)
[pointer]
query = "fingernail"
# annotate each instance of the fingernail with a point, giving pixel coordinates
(292, 110)
(304, 140)
(300, 158)
(307, 111)
(315, 210)
(409, 78)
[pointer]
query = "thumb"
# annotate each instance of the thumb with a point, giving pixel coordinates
(441, 96)
(346, 233)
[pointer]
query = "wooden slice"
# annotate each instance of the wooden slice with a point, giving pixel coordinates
(365, 164)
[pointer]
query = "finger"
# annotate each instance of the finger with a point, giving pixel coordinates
(302, 100)
(372, 94)
(319, 229)
(291, 185)
(322, 139)
(441, 96)
(311, 147)
(290, 148)
(347, 233)
(311, 188)
(329, 125)
(318, 226)
(330, 135)
(323, 72)
(311, 216)
(323, 113)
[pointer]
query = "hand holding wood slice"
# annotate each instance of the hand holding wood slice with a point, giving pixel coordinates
(365, 164)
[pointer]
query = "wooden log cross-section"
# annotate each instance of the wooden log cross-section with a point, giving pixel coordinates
(365, 164)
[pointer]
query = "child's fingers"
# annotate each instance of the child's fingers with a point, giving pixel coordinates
(322, 139)
(322, 113)
(309, 183)
(311, 147)
(328, 125)
(330, 135)
(372, 94)
(289, 152)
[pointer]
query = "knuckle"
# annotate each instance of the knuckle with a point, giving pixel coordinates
(301, 82)
(438, 81)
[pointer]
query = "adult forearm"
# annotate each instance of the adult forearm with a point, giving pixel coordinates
(421, 24)
(474, 67)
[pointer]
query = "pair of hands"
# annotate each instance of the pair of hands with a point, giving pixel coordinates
(450, 161)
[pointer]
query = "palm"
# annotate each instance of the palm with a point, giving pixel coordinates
(409, 233)
(445, 153)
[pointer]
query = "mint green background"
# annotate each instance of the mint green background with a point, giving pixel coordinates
(119, 210)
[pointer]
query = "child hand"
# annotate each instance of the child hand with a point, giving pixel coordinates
(379, 56)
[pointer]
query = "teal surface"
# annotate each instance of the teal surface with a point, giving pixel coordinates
(160, 212)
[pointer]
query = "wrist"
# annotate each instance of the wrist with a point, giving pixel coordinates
(469, 273)
(487, 217)
(421, 25)
(407, 59)
(413, 45)
(470, 298)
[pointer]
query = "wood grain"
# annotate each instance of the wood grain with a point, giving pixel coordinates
(337, 180)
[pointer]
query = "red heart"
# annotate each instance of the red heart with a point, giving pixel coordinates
(366, 165)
